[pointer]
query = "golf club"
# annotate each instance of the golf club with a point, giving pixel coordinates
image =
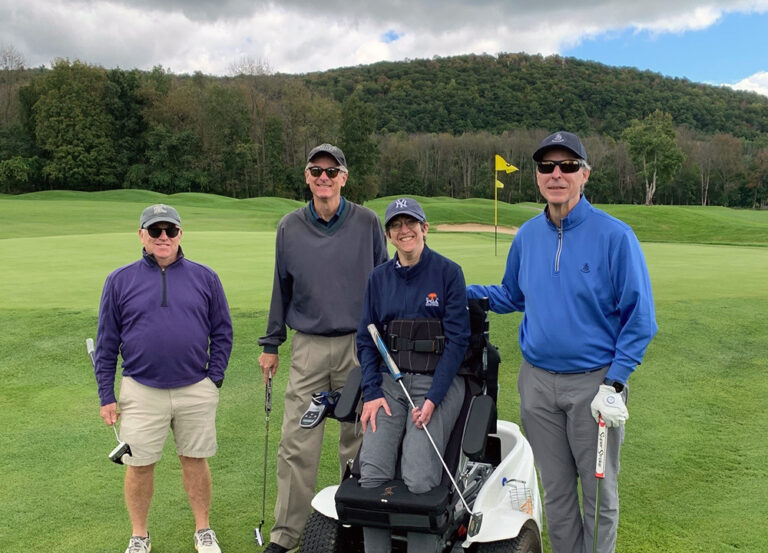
(602, 444)
(398, 376)
(122, 448)
(267, 409)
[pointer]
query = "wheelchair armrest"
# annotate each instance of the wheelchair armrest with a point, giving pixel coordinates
(346, 406)
(481, 421)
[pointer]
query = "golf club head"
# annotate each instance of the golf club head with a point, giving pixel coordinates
(116, 455)
(321, 406)
(257, 535)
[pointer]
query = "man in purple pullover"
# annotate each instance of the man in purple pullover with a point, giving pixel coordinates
(168, 318)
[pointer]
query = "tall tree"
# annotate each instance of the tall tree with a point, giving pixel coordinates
(358, 122)
(652, 146)
(74, 127)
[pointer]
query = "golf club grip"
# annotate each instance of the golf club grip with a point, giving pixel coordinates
(91, 350)
(391, 365)
(602, 445)
(268, 396)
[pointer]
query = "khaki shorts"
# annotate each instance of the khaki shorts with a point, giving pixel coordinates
(147, 413)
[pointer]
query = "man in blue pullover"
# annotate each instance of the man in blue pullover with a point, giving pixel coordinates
(580, 278)
(169, 320)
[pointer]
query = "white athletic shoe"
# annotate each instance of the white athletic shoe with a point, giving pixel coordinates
(206, 542)
(139, 544)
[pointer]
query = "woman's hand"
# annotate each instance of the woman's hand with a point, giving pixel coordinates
(422, 415)
(370, 408)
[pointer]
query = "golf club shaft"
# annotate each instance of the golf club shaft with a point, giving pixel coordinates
(267, 411)
(398, 376)
(602, 445)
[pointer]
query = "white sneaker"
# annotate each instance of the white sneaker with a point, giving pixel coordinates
(139, 544)
(206, 542)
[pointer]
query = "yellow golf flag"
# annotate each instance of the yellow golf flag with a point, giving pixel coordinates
(502, 165)
(499, 184)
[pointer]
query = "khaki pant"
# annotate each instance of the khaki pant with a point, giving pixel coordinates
(317, 363)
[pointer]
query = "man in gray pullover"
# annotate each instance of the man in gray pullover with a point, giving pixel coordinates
(323, 255)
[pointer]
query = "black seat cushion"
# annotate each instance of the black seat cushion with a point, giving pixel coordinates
(391, 505)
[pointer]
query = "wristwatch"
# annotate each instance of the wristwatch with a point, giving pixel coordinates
(618, 386)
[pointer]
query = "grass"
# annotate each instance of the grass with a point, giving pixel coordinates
(693, 479)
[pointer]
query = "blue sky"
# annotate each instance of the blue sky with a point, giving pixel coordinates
(721, 42)
(728, 51)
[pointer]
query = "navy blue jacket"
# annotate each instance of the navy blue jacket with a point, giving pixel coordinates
(433, 288)
(171, 326)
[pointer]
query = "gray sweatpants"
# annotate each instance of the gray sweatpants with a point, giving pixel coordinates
(558, 423)
(420, 466)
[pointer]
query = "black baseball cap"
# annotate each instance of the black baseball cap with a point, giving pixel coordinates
(331, 150)
(561, 140)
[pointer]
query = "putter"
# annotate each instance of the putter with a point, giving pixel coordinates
(602, 445)
(267, 409)
(122, 448)
(476, 518)
(322, 404)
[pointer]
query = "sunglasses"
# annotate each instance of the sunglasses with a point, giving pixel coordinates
(316, 171)
(170, 232)
(566, 166)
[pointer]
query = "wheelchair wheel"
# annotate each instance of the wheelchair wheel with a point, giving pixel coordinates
(526, 542)
(325, 535)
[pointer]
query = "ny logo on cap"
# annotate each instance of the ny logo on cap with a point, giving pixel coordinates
(558, 138)
(160, 208)
(401, 203)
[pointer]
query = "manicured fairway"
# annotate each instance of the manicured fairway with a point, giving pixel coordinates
(694, 471)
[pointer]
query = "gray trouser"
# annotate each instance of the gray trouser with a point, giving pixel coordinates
(317, 363)
(420, 466)
(558, 423)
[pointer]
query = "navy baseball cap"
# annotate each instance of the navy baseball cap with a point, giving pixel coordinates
(561, 140)
(330, 150)
(159, 213)
(404, 206)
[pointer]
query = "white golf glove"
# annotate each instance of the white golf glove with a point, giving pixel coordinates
(609, 403)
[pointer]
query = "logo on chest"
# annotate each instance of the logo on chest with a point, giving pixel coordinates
(432, 300)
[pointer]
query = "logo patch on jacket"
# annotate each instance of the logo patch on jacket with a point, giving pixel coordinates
(585, 268)
(432, 300)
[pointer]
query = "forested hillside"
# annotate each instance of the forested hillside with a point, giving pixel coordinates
(427, 127)
(518, 91)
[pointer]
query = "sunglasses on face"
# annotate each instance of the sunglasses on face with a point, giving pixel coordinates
(170, 232)
(566, 166)
(316, 171)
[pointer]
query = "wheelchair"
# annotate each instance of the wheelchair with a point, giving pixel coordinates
(490, 459)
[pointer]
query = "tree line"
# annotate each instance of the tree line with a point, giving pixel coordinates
(427, 127)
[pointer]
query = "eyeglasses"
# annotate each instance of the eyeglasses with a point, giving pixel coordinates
(566, 166)
(397, 225)
(316, 171)
(170, 232)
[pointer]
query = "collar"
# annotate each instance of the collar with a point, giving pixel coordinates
(335, 216)
(412, 270)
(150, 259)
(575, 217)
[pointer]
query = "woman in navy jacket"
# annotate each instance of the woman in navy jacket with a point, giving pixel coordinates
(415, 285)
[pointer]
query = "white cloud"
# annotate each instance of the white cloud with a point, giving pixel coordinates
(294, 36)
(754, 83)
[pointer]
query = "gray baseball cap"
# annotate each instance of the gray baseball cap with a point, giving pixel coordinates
(158, 213)
(404, 206)
(331, 150)
(561, 140)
